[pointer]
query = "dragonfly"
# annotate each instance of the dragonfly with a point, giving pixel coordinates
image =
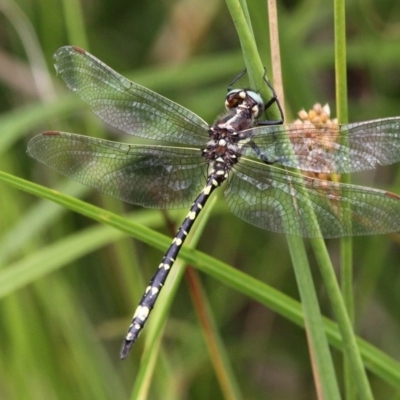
(246, 154)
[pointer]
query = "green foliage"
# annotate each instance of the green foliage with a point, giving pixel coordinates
(69, 285)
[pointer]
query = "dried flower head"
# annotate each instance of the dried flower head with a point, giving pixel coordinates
(322, 130)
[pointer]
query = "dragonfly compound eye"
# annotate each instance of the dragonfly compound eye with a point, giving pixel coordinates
(258, 107)
(234, 98)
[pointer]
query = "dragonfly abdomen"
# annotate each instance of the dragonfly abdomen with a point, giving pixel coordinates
(150, 296)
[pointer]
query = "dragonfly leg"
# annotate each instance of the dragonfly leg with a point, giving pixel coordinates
(270, 102)
(236, 79)
(261, 155)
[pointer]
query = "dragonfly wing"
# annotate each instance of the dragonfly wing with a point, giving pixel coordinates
(150, 176)
(126, 105)
(345, 148)
(282, 201)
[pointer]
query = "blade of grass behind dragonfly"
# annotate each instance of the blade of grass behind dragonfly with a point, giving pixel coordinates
(324, 372)
(346, 270)
(215, 343)
(325, 265)
(355, 374)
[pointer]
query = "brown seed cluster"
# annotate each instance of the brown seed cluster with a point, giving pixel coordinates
(322, 130)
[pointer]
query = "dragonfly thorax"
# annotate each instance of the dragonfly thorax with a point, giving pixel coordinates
(222, 150)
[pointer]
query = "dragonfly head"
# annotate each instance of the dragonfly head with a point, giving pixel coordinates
(245, 98)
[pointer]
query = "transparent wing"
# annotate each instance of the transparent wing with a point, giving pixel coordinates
(282, 201)
(126, 105)
(151, 176)
(348, 148)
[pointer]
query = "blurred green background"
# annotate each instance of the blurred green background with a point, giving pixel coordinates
(60, 334)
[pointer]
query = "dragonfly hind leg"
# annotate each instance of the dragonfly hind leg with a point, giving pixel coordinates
(270, 102)
(262, 156)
